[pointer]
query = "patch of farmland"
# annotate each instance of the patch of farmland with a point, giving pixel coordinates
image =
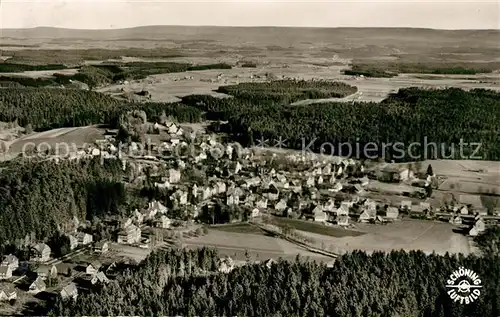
(310, 226)
(64, 140)
(239, 228)
(260, 246)
(427, 236)
(50, 133)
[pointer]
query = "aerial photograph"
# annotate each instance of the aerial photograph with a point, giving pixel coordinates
(250, 158)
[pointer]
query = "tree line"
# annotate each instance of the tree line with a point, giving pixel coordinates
(441, 117)
(184, 282)
(391, 69)
(55, 108)
(39, 199)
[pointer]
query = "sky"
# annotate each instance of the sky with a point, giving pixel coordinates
(112, 14)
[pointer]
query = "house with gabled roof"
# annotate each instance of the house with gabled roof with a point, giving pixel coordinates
(93, 268)
(456, 220)
(5, 272)
(392, 213)
(101, 247)
(319, 214)
(464, 210)
(342, 220)
(7, 293)
(255, 213)
(69, 291)
(73, 242)
(162, 222)
(269, 263)
(99, 278)
(37, 286)
(281, 205)
(83, 238)
(365, 217)
(406, 205)
(12, 261)
(46, 271)
(261, 203)
(41, 252)
(130, 235)
(226, 265)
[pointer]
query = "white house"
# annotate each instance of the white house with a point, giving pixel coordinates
(162, 222)
(456, 220)
(319, 214)
(100, 277)
(406, 205)
(5, 272)
(93, 268)
(12, 261)
(41, 252)
(392, 213)
(281, 205)
(7, 293)
(174, 176)
(37, 286)
(73, 242)
(365, 216)
(129, 235)
(226, 265)
(83, 238)
(101, 247)
(69, 291)
(46, 271)
(255, 212)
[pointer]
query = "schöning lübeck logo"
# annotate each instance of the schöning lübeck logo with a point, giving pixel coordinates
(464, 286)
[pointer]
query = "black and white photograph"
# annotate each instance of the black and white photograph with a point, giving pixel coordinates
(250, 158)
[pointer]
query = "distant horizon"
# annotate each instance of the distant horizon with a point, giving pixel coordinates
(123, 14)
(243, 27)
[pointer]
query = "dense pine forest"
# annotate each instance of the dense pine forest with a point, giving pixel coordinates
(40, 198)
(369, 68)
(411, 115)
(288, 91)
(382, 284)
(443, 117)
(54, 108)
(100, 74)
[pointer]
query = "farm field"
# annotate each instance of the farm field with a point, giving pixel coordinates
(259, 246)
(463, 177)
(238, 228)
(427, 236)
(317, 228)
(62, 139)
(169, 87)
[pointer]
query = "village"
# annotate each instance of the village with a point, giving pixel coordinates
(212, 182)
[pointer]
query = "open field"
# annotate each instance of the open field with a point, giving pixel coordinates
(427, 236)
(318, 228)
(463, 177)
(259, 246)
(62, 139)
(168, 87)
(307, 54)
(238, 228)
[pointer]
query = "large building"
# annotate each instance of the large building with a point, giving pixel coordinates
(130, 235)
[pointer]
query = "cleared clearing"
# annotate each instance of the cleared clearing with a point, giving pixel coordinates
(427, 236)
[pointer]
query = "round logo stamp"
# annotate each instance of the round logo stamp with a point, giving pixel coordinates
(464, 286)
